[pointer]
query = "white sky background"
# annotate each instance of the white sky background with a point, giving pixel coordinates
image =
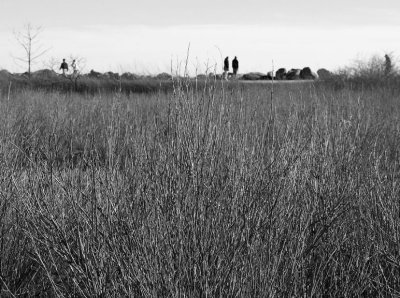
(146, 36)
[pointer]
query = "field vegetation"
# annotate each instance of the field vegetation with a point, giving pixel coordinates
(212, 190)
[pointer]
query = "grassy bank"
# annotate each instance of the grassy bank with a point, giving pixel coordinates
(84, 85)
(210, 192)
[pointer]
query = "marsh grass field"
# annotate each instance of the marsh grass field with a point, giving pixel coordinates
(211, 190)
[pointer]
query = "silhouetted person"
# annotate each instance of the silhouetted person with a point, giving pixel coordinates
(235, 66)
(226, 68)
(64, 67)
(388, 65)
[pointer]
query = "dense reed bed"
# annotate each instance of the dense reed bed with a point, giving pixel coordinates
(222, 190)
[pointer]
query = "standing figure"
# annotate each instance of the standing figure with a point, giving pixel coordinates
(226, 68)
(64, 67)
(235, 66)
(388, 65)
(74, 67)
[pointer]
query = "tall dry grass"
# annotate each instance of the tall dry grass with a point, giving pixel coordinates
(213, 192)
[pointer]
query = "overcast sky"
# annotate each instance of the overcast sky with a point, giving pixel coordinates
(147, 36)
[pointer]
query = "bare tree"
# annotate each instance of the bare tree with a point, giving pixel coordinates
(52, 63)
(28, 39)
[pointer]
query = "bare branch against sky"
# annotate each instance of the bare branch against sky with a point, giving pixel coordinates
(28, 40)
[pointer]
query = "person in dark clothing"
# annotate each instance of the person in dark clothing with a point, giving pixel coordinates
(64, 67)
(226, 68)
(388, 65)
(235, 66)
